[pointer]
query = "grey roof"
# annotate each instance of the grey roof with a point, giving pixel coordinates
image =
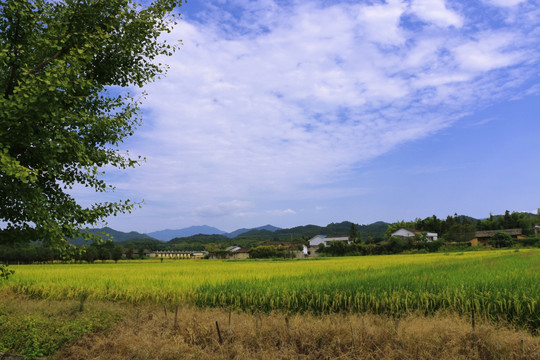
(490, 233)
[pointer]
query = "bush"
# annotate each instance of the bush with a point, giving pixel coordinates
(500, 240)
(434, 246)
(394, 245)
(530, 241)
(5, 273)
(457, 246)
(269, 251)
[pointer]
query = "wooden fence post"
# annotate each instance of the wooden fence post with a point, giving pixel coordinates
(219, 333)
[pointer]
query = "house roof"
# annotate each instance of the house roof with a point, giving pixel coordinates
(490, 233)
(336, 237)
(172, 252)
(278, 243)
(414, 231)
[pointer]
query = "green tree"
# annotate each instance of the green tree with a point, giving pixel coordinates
(60, 124)
(263, 252)
(459, 232)
(91, 254)
(129, 253)
(353, 234)
(369, 238)
(501, 239)
(338, 248)
(116, 253)
(395, 245)
(104, 253)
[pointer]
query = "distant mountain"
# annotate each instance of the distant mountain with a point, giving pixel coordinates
(307, 231)
(235, 233)
(166, 235)
(268, 227)
(197, 236)
(107, 233)
(197, 242)
(244, 230)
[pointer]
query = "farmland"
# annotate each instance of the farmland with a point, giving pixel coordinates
(495, 285)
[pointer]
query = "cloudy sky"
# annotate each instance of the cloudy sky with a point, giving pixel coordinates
(311, 112)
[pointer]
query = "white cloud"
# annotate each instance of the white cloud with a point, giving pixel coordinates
(225, 208)
(436, 12)
(282, 212)
(487, 52)
(250, 117)
(380, 22)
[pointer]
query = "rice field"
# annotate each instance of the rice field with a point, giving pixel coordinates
(495, 285)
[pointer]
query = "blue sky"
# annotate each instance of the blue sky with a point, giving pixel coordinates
(311, 112)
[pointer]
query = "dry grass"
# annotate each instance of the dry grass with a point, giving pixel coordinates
(148, 333)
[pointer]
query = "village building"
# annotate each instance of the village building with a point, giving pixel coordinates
(240, 253)
(199, 254)
(176, 254)
(314, 242)
(407, 232)
(482, 237)
(135, 253)
(326, 240)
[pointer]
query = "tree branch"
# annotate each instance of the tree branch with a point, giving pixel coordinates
(47, 61)
(10, 86)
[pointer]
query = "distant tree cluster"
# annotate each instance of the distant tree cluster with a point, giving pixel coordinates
(268, 251)
(394, 245)
(509, 220)
(460, 228)
(301, 234)
(38, 253)
(453, 232)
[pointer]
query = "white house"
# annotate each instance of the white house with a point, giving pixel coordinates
(403, 232)
(326, 240)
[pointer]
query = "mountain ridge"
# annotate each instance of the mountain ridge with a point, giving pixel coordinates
(169, 234)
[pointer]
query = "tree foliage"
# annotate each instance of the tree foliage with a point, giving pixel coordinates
(509, 220)
(60, 122)
(353, 234)
(116, 253)
(501, 239)
(398, 225)
(5, 273)
(269, 251)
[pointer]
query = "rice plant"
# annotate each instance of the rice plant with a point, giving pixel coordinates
(497, 285)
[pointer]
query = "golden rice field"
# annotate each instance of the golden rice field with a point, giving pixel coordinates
(496, 285)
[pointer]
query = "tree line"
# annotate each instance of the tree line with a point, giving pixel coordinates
(39, 253)
(453, 232)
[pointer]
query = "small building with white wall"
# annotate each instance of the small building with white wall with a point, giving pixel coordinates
(404, 232)
(326, 240)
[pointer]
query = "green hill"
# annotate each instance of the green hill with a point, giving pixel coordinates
(308, 231)
(107, 233)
